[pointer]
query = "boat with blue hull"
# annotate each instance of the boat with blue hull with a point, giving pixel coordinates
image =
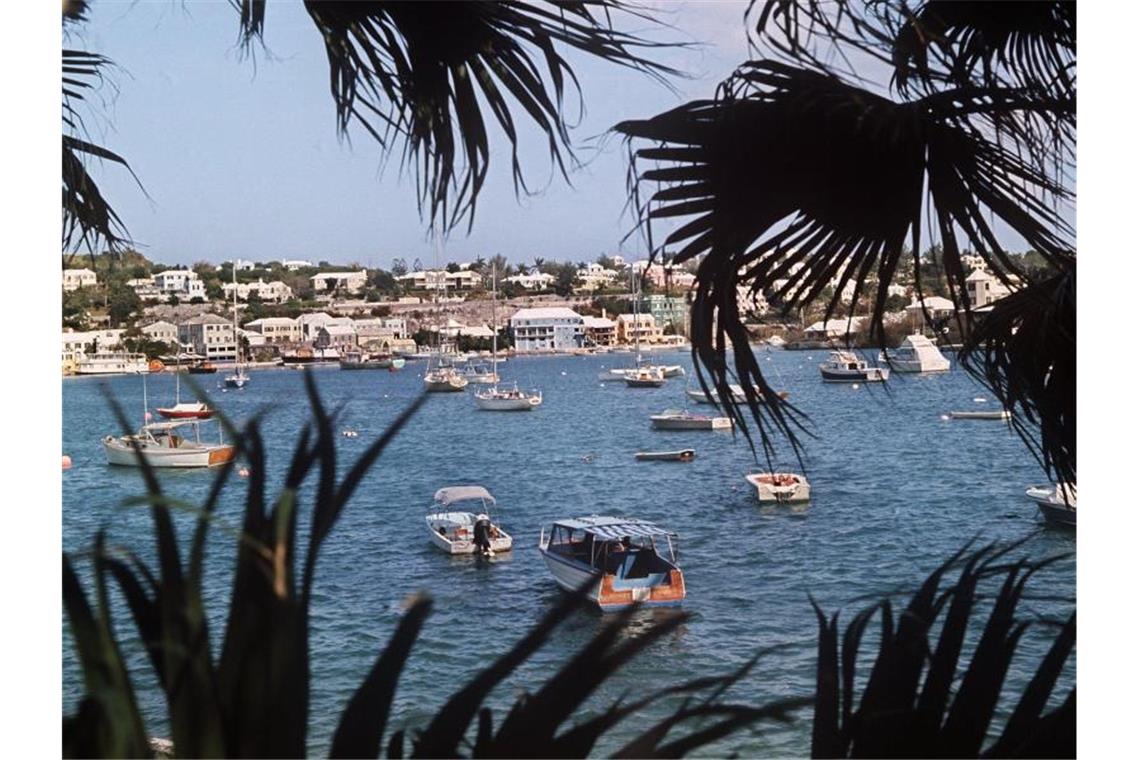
(618, 561)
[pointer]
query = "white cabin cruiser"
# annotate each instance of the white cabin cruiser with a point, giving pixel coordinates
(1057, 502)
(161, 445)
(846, 367)
(459, 532)
(681, 419)
(917, 353)
(783, 487)
(618, 561)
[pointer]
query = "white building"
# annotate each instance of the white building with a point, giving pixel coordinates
(380, 329)
(210, 336)
(145, 289)
(277, 329)
(833, 329)
(547, 329)
(183, 284)
(339, 336)
(74, 279)
(983, 288)
(594, 276)
(349, 282)
(161, 332)
(238, 264)
(268, 292)
(534, 281)
(311, 324)
(294, 264)
(438, 279)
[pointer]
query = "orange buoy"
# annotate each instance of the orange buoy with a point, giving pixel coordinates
(156, 365)
(66, 462)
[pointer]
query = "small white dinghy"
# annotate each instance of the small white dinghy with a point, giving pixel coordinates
(782, 487)
(683, 455)
(459, 532)
(680, 419)
(1000, 414)
(1057, 502)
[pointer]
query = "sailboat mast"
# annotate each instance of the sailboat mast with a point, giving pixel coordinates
(494, 329)
(237, 342)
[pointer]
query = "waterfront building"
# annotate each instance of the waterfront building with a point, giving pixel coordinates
(180, 283)
(210, 336)
(268, 292)
(833, 329)
(310, 324)
(637, 328)
(349, 282)
(599, 331)
(277, 329)
(74, 279)
(669, 311)
(547, 329)
(380, 329)
(161, 332)
(339, 336)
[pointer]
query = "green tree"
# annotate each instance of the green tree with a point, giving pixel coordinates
(565, 276)
(122, 304)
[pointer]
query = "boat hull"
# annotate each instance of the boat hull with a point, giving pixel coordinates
(1051, 504)
(236, 381)
(174, 413)
(602, 591)
(682, 423)
(453, 385)
(770, 493)
(685, 455)
(492, 404)
(123, 454)
(1002, 415)
(636, 382)
(868, 375)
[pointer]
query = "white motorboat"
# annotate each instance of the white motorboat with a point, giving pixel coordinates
(680, 419)
(776, 341)
(162, 445)
(112, 363)
(618, 561)
(1057, 502)
(460, 532)
(496, 399)
(917, 353)
(846, 367)
(998, 414)
(671, 370)
(783, 487)
(683, 455)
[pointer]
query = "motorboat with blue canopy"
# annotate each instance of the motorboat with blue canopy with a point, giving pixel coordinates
(457, 531)
(619, 561)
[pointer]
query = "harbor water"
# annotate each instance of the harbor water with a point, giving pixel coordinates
(896, 489)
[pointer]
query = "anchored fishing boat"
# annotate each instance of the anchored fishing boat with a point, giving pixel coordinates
(783, 487)
(164, 444)
(679, 419)
(466, 532)
(617, 561)
(846, 367)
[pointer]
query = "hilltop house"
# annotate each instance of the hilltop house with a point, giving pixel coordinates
(534, 281)
(547, 329)
(594, 276)
(180, 283)
(438, 279)
(349, 282)
(268, 292)
(74, 279)
(983, 288)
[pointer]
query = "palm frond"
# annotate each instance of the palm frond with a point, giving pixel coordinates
(427, 74)
(792, 180)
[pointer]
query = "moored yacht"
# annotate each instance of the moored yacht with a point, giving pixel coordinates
(645, 377)
(917, 353)
(846, 367)
(617, 561)
(162, 444)
(444, 379)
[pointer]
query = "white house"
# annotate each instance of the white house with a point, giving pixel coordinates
(161, 332)
(533, 281)
(269, 292)
(76, 344)
(594, 276)
(277, 329)
(983, 288)
(350, 282)
(238, 264)
(339, 336)
(74, 279)
(181, 283)
(294, 264)
(311, 324)
(547, 329)
(380, 329)
(145, 289)
(833, 328)
(438, 279)
(209, 335)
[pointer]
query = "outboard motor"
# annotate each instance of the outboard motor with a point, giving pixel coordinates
(483, 534)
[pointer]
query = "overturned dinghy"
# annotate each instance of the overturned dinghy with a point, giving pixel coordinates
(683, 455)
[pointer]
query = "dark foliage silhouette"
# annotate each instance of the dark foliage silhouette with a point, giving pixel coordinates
(798, 173)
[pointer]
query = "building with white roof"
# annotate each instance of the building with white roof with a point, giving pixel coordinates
(533, 281)
(210, 336)
(277, 329)
(594, 276)
(268, 292)
(380, 329)
(547, 329)
(341, 336)
(983, 288)
(349, 282)
(180, 283)
(310, 324)
(832, 328)
(599, 331)
(74, 279)
(438, 279)
(294, 264)
(161, 332)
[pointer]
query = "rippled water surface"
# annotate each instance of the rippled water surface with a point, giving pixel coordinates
(895, 490)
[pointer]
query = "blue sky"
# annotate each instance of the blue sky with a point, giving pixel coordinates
(241, 157)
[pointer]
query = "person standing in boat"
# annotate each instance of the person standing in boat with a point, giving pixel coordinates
(483, 535)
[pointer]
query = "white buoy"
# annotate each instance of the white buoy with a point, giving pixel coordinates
(855, 386)
(564, 373)
(945, 417)
(979, 399)
(244, 472)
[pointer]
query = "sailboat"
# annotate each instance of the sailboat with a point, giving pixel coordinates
(184, 410)
(643, 375)
(496, 399)
(238, 378)
(444, 378)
